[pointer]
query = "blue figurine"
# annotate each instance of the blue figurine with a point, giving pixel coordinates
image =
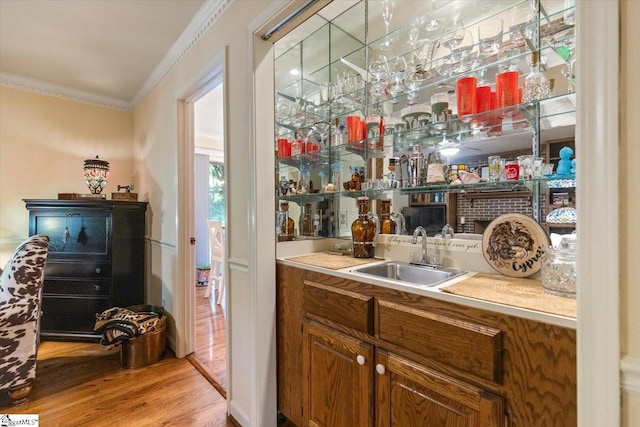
(564, 165)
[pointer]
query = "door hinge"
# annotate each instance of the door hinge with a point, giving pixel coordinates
(192, 241)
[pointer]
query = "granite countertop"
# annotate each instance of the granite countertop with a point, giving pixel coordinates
(519, 297)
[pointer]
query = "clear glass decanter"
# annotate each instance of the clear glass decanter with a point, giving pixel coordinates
(536, 85)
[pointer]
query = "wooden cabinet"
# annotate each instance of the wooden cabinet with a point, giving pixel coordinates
(96, 261)
(409, 394)
(416, 361)
(339, 384)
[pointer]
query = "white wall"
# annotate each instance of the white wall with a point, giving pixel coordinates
(44, 141)
(252, 390)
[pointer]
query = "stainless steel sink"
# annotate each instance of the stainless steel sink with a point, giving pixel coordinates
(410, 273)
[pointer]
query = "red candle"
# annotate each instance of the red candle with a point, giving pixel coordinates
(466, 96)
(483, 98)
(507, 90)
(354, 128)
(284, 148)
(483, 104)
(495, 121)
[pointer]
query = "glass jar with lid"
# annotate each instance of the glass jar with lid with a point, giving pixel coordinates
(559, 269)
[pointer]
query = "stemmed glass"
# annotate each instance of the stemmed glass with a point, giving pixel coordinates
(564, 45)
(418, 74)
(387, 13)
(322, 128)
(460, 42)
(490, 37)
(414, 81)
(433, 24)
(397, 69)
(379, 71)
(453, 39)
(414, 35)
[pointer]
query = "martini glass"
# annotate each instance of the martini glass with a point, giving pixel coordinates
(322, 128)
(563, 43)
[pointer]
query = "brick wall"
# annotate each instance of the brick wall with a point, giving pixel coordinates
(487, 210)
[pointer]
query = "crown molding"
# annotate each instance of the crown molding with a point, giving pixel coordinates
(44, 88)
(199, 25)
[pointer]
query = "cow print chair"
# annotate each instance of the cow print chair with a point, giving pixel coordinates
(20, 296)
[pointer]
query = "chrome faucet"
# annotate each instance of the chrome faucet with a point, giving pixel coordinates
(447, 231)
(420, 231)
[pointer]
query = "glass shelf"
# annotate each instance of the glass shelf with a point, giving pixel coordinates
(333, 53)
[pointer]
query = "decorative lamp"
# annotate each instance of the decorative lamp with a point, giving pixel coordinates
(96, 174)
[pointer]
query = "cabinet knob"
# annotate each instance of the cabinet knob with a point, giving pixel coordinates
(97, 287)
(380, 369)
(98, 270)
(360, 359)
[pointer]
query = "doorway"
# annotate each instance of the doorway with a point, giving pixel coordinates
(202, 128)
(209, 205)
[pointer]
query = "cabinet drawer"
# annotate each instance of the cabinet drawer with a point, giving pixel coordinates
(85, 269)
(470, 347)
(340, 306)
(71, 314)
(76, 287)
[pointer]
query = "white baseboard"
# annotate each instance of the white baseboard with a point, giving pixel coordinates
(630, 374)
(238, 414)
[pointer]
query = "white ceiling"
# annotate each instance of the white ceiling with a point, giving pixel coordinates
(107, 50)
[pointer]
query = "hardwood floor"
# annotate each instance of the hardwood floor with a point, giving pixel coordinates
(210, 357)
(82, 384)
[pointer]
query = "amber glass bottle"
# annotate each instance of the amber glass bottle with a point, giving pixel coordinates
(364, 231)
(387, 225)
(306, 225)
(287, 225)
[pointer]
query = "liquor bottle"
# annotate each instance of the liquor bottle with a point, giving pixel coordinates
(364, 230)
(387, 225)
(306, 224)
(287, 225)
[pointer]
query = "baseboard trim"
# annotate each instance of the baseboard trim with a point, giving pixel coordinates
(238, 415)
(630, 374)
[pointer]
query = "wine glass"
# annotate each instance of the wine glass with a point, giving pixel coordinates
(397, 69)
(453, 38)
(563, 43)
(387, 13)
(490, 37)
(433, 24)
(414, 81)
(460, 53)
(414, 39)
(379, 71)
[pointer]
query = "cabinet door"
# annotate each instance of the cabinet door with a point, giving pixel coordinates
(338, 389)
(74, 233)
(408, 394)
